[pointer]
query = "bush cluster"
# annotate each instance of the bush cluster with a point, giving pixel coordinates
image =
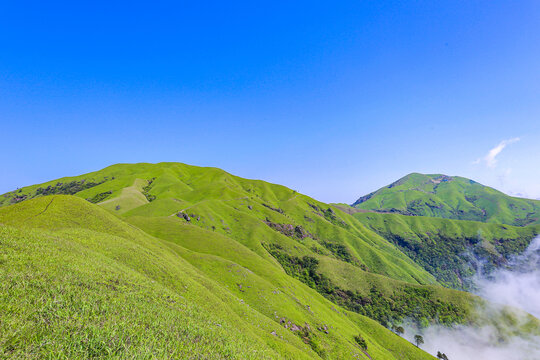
(69, 188)
(408, 302)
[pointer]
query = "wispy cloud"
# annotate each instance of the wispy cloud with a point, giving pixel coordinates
(491, 158)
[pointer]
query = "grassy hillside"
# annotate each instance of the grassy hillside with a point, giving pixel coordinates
(251, 212)
(78, 282)
(451, 197)
(449, 249)
(252, 262)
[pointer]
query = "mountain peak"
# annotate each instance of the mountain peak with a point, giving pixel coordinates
(418, 178)
(452, 197)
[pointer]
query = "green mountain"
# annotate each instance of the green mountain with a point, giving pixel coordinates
(451, 250)
(176, 261)
(450, 197)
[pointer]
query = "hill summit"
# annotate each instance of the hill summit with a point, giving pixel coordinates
(451, 197)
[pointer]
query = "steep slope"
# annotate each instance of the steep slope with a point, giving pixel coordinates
(293, 277)
(451, 197)
(299, 237)
(250, 211)
(78, 282)
(452, 250)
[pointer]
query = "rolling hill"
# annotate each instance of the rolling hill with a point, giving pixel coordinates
(78, 282)
(450, 197)
(176, 261)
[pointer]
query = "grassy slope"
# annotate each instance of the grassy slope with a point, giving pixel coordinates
(68, 267)
(227, 251)
(447, 248)
(222, 201)
(453, 198)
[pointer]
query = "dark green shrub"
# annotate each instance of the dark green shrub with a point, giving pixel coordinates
(361, 342)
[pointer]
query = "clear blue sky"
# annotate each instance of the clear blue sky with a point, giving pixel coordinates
(333, 99)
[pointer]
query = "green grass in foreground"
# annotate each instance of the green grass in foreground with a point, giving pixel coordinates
(178, 261)
(78, 282)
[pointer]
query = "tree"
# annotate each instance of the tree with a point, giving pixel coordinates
(441, 356)
(419, 340)
(398, 330)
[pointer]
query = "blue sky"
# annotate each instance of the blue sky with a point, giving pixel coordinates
(331, 99)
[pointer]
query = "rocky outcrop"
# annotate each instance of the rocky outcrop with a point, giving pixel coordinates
(290, 230)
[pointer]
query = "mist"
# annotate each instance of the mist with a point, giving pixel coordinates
(518, 285)
(513, 289)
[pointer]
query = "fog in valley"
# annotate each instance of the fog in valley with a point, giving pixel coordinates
(515, 287)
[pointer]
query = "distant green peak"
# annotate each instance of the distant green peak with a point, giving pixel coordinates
(453, 197)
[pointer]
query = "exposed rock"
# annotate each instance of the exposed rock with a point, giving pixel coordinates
(289, 230)
(323, 328)
(184, 216)
(273, 208)
(17, 199)
(295, 327)
(300, 232)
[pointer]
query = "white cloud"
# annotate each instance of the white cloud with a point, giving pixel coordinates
(491, 158)
(500, 337)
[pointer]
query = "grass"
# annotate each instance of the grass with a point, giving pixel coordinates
(451, 197)
(175, 263)
(221, 201)
(448, 249)
(78, 282)
(61, 299)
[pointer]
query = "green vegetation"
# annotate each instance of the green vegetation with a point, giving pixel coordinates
(68, 188)
(398, 329)
(100, 197)
(175, 261)
(417, 304)
(81, 293)
(146, 190)
(361, 342)
(441, 356)
(341, 252)
(451, 197)
(80, 282)
(418, 340)
(448, 249)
